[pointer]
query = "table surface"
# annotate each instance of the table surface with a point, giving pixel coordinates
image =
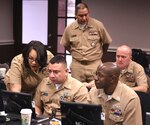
(19, 123)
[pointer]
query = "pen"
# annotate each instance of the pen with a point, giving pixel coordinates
(41, 120)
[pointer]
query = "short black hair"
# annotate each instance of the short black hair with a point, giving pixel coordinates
(58, 59)
(81, 6)
(41, 53)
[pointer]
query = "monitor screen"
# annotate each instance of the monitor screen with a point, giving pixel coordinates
(80, 113)
(13, 102)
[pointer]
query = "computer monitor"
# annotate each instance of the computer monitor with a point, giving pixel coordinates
(13, 102)
(80, 114)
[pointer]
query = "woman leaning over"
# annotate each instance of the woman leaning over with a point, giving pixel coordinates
(28, 68)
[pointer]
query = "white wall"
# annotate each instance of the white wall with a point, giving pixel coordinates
(127, 21)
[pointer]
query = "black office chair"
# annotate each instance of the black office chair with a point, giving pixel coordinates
(145, 104)
(3, 65)
(141, 57)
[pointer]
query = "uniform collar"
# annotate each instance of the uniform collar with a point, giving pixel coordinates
(65, 85)
(116, 94)
(129, 69)
(76, 25)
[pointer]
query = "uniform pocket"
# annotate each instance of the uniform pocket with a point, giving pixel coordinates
(75, 42)
(117, 119)
(93, 40)
(44, 97)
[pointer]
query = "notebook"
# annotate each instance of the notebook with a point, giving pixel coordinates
(80, 114)
(13, 102)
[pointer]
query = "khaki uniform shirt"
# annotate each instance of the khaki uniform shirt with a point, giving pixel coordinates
(48, 97)
(19, 74)
(121, 108)
(134, 75)
(86, 45)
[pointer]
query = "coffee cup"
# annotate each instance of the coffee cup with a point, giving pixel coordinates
(26, 116)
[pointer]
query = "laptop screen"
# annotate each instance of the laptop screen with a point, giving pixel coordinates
(80, 114)
(13, 102)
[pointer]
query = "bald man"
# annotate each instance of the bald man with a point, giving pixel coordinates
(120, 103)
(132, 73)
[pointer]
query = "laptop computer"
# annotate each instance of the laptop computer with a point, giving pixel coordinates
(80, 114)
(13, 102)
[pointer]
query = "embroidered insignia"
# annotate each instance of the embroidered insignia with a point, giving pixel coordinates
(130, 77)
(116, 110)
(65, 97)
(116, 114)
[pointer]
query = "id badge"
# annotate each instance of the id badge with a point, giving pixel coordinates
(102, 116)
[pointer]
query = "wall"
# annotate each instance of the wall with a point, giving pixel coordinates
(6, 31)
(127, 21)
(6, 22)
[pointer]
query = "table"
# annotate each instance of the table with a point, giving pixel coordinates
(19, 123)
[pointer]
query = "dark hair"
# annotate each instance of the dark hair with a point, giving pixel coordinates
(81, 6)
(58, 59)
(41, 53)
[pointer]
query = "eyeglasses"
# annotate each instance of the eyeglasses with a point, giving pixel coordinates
(30, 59)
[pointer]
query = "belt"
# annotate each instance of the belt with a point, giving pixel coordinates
(85, 62)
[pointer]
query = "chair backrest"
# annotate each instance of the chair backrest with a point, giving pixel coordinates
(148, 82)
(140, 57)
(4, 65)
